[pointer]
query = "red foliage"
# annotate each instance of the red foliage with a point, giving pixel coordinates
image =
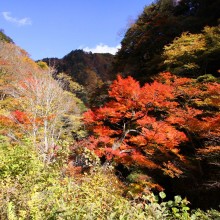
(21, 117)
(133, 124)
(144, 126)
(27, 120)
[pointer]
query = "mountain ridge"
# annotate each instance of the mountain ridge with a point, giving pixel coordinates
(86, 68)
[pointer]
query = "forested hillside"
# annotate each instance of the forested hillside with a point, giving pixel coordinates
(142, 53)
(88, 69)
(131, 136)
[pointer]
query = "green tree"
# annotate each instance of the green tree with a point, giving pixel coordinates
(159, 24)
(194, 54)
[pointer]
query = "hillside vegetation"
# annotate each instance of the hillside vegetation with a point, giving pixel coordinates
(141, 54)
(131, 136)
(90, 70)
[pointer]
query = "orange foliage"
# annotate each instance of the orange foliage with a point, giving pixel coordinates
(171, 170)
(144, 126)
(210, 150)
(21, 117)
(136, 130)
(5, 121)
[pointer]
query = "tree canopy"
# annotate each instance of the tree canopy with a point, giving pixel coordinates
(170, 125)
(159, 24)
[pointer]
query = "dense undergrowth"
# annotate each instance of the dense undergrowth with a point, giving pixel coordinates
(29, 190)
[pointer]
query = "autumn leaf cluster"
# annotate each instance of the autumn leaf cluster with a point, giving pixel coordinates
(166, 125)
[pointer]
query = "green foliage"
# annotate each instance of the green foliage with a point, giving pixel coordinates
(84, 157)
(17, 161)
(207, 78)
(172, 209)
(43, 65)
(159, 24)
(29, 190)
(194, 54)
(209, 214)
(68, 83)
(184, 51)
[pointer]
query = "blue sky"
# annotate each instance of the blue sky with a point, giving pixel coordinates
(54, 28)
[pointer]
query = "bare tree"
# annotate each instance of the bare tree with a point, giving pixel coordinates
(40, 97)
(46, 102)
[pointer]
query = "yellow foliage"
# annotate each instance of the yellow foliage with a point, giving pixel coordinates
(187, 44)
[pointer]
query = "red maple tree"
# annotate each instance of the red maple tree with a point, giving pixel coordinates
(155, 125)
(132, 127)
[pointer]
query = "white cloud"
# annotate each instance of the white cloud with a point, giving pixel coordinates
(20, 22)
(102, 48)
